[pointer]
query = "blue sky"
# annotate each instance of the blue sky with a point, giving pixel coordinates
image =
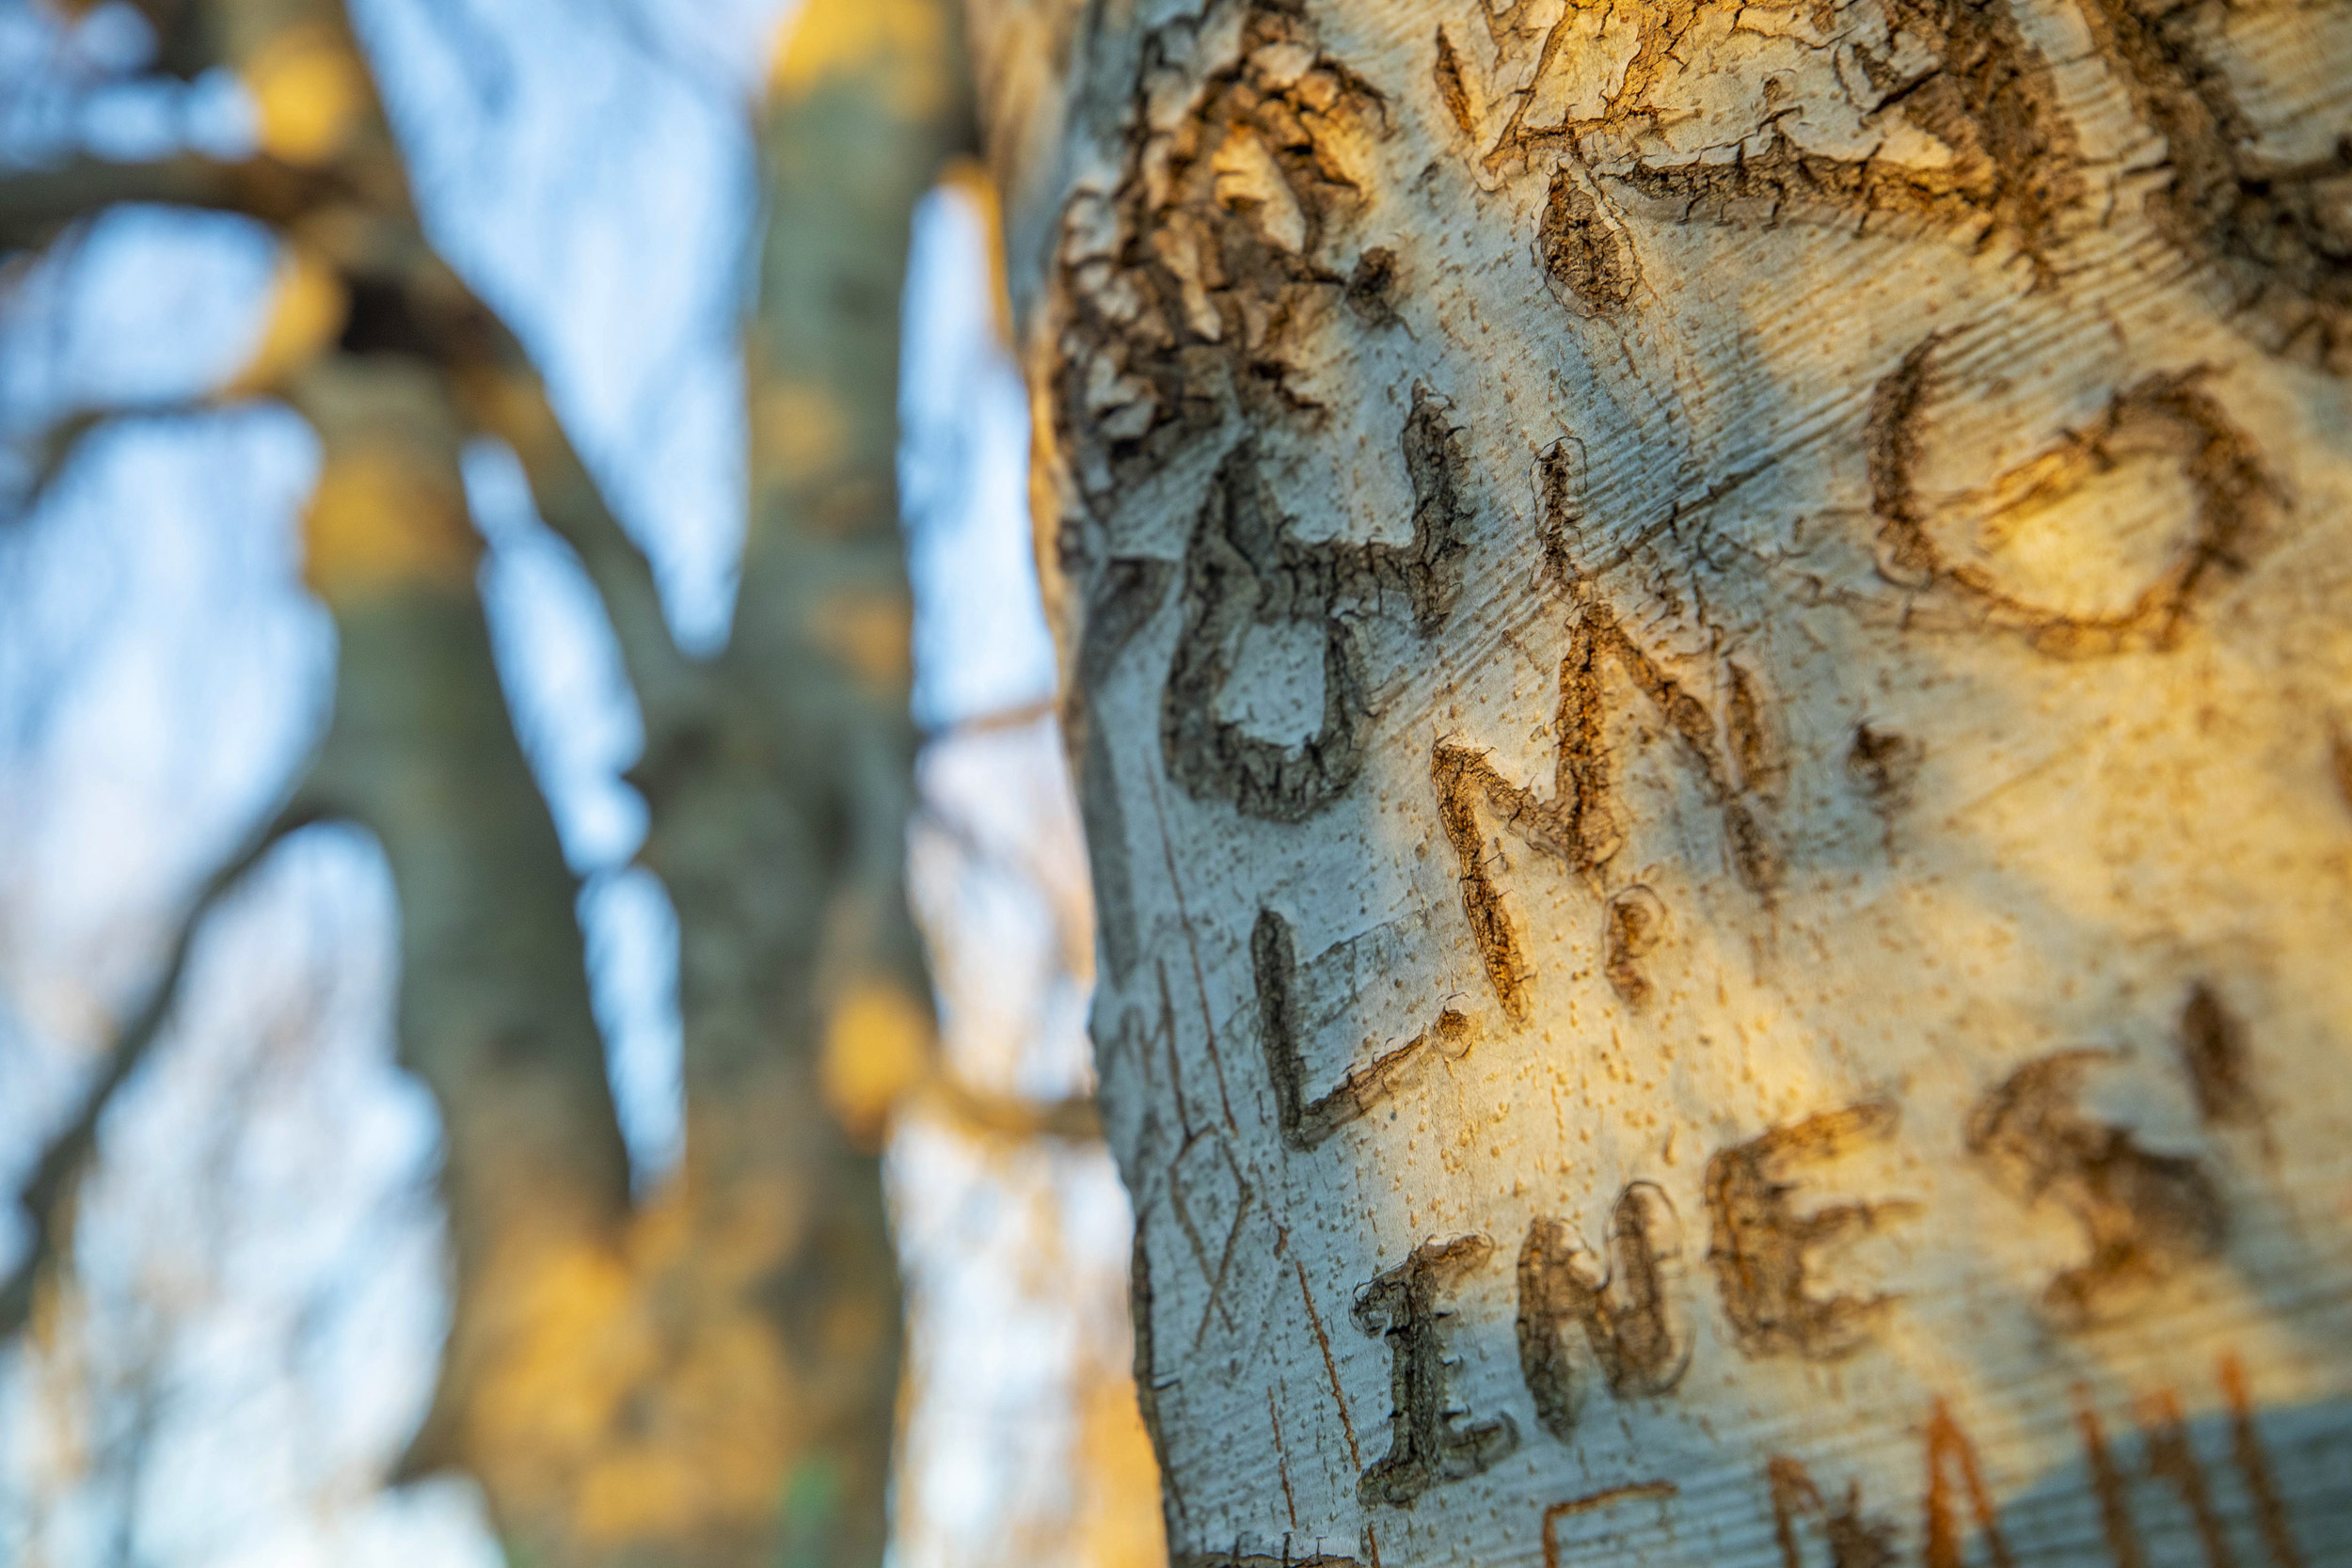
(161, 675)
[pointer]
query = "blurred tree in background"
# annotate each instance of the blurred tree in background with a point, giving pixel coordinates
(705, 1368)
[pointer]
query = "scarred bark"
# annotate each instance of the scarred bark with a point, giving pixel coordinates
(1714, 638)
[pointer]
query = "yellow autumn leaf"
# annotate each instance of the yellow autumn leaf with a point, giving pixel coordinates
(308, 305)
(310, 92)
(894, 45)
(878, 1046)
(385, 516)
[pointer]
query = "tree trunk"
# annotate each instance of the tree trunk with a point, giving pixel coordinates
(1710, 663)
(710, 1378)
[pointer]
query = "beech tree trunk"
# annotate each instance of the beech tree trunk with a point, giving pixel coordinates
(1710, 669)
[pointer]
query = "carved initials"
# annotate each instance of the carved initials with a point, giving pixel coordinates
(1427, 1444)
(1273, 961)
(1625, 1315)
(1761, 1245)
(2145, 1215)
(1578, 826)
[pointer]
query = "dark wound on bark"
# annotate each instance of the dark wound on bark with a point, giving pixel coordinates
(1429, 1443)
(1634, 1330)
(1761, 1245)
(1755, 743)
(1305, 1123)
(1559, 482)
(1633, 923)
(1883, 765)
(1440, 471)
(1372, 287)
(1186, 312)
(1242, 568)
(1587, 261)
(2220, 1068)
(2145, 1215)
(2170, 412)
(1453, 91)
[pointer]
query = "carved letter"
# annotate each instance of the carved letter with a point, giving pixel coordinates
(1578, 826)
(2144, 1214)
(1274, 959)
(1425, 1446)
(1949, 1450)
(1760, 1244)
(2221, 1069)
(1243, 568)
(1855, 1539)
(1659, 1492)
(1637, 1335)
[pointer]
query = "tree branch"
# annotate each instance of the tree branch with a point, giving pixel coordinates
(36, 204)
(48, 1195)
(55, 448)
(500, 395)
(184, 47)
(1077, 1118)
(1018, 717)
(404, 301)
(434, 314)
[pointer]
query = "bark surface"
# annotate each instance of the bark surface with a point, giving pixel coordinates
(1710, 662)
